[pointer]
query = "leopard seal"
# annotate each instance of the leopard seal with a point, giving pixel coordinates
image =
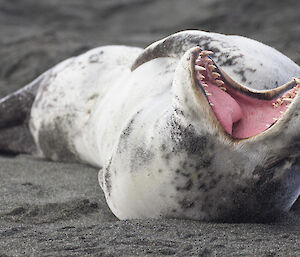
(198, 126)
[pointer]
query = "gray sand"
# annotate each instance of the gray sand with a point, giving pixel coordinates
(58, 209)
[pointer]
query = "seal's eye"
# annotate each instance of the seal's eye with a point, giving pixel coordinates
(241, 112)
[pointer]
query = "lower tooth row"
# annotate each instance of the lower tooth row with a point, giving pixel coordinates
(288, 98)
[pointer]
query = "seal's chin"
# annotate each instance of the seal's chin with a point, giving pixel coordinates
(241, 112)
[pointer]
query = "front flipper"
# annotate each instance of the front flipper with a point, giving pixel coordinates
(15, 109)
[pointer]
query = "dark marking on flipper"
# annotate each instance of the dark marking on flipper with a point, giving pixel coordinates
(15, 109)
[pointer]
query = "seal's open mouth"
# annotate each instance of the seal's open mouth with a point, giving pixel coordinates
(241, 112)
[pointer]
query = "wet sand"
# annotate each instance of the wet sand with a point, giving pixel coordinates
(58, 209)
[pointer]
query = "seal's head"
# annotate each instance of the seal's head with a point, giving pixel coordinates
(244, 145)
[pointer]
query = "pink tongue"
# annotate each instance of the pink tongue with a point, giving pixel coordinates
(226, 109)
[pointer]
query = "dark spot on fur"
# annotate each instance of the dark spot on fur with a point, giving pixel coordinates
(195, 145)
(107, 178)
(184, 165)
(94, 58)
(93, 96)
(166, 157)
(179, 112)
(202, 187)
(141, 157)
(186, 203)
(127, 131)
(186, 174)
(186, 187)
(187, 138)
(266, 173)
(144, 155)
(229, 61)
(204, 162)
(242, 73)
(53, 140)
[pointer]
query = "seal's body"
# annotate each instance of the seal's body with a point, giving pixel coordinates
(86, 94)
(173, 133)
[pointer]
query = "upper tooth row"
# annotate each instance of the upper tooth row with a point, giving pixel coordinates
(205, 53)
(215, 75)
(211, 67)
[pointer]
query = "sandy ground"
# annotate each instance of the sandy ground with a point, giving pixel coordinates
(58, 209)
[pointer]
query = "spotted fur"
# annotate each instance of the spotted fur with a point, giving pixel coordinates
(134, 113)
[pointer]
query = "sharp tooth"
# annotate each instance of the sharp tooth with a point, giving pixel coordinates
(207, 93)
(223, 88)
(204, 53)
(267, 125)
(275, 119)
(204, 85)
(199, 68)
(219, 82)
(211, 104)
(212, 67)
(215, 75)
(279, 101)
(292, 94)
(287, 100)
(275, 105)
(200, 76)
(281, 112)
